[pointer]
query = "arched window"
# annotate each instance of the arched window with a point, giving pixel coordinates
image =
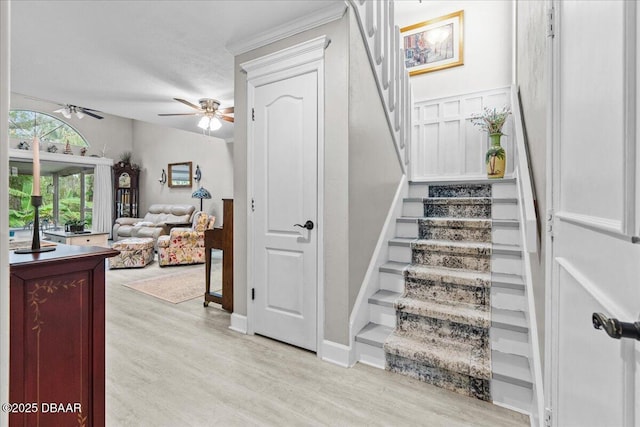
(25, 124)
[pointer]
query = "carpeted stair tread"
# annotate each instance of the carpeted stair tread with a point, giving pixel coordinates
(467, 248)
(449, 275)
(456, 222)
(458, 200)
(474, 315)
(460, 190)
(454, 356)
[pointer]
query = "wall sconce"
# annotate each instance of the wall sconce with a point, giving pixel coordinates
(198, 174)
(163, 177)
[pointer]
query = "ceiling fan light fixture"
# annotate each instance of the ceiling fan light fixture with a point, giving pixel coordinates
(66, 113)
(215, 124)
(204, 123)
(79, 114)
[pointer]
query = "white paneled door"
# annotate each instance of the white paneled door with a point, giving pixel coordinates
(285, 143)
(595, 264)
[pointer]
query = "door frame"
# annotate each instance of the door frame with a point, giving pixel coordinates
(627, 229)
(289, 62)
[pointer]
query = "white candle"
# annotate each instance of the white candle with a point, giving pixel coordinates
(36, 167)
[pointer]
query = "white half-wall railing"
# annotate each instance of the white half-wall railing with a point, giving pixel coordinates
(446, 145)
(382, 39)
(524, 177)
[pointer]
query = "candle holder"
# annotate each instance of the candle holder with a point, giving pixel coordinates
(36, 202)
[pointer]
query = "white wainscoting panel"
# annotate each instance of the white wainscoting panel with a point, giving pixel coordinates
(446, 145)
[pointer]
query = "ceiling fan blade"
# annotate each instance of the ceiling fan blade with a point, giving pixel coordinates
(228, 110)
(197, 107)
(89, 109)
(226, 118)
(179, 114)
(89, 113)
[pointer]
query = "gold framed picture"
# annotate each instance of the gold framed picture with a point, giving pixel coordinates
(435, 44)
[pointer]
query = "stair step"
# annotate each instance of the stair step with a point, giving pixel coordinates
(508, 319)
(449, 275)
(505, 208)
(505, 232)
(374, 334)
(512, 396)
(462, 207)
(511, 368)
(511, 281)
(413, 207)
(407, 227)
(505, 187)
(460, 313)
(384, 298)
(508, 299)
(455, 229)
(460, 190)
(449, 355)
(400, 249)
(509, 250)
(393, 267)
(450, 254)
(510, 342)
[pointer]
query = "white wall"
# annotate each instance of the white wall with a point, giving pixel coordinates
(487, 46)
(156, 146)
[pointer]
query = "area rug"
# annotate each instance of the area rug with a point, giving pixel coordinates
(178, 287)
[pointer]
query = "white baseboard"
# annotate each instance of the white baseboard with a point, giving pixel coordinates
(338, 354)
(238, 323)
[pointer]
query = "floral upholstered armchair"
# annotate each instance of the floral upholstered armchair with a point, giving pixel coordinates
(185, 245)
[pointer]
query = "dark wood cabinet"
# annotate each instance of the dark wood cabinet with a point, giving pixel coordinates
(57, 337)
(126, 191)
(221, 238)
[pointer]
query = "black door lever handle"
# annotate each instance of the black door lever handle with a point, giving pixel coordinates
(308, 225)
(615, 328)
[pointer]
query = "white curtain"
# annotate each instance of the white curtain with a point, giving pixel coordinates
(102, 199)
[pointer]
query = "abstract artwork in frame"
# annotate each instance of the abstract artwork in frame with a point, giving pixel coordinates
(435, 44)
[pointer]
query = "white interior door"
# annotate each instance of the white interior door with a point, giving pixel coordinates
(285, 145)
(595, 265)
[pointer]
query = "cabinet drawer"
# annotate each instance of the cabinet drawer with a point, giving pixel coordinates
(97, 240)
(57, 239)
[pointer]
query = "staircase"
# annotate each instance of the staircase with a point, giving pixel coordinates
(450, 308)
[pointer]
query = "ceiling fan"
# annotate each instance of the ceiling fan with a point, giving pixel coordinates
(67, 110)
(210, 111)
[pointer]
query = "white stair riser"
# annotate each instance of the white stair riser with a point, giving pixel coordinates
(407, 229)
(413, 209)
(506, 264)
(511, 395)
(392, 282)
(505, 235)
(510, 342)
(400, 253)
(370, 355)
(418, 190)
(385, 316)
(504, 210)
(503, 190)
(508, 299)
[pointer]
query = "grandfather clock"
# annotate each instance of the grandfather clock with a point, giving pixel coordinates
(125, 191)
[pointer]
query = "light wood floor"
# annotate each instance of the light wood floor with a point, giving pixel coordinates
(180, 365)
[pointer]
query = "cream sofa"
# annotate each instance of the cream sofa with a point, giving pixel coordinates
(154, 223)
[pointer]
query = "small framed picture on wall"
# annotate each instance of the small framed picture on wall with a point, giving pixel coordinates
(435, 44)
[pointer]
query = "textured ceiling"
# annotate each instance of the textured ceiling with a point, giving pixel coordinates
(130, 58)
